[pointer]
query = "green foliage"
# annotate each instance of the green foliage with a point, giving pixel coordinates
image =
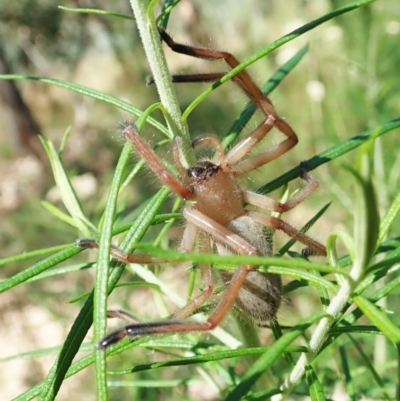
(348, 316)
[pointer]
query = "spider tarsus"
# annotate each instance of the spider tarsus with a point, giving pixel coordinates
(165, 37)
(121, 314)
(112, 338)
(86, 243)
(303, 172)
(185, 49)
(126, 126)
(307, 252)
(150, 81)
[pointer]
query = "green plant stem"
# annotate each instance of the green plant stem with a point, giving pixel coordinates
(158, 64)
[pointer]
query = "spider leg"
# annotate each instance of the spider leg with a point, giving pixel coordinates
(313, 247)
(265, 202)
(206, 275)
(184, 78)
(116, 253)
(121, 314)
(245, 82)
(223, 235)
(187, 245)
(165, 176)
(177, 326)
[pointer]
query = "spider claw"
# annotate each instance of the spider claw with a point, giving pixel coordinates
(305, 253)
(150, 81)
(303, 170)
(111, 339)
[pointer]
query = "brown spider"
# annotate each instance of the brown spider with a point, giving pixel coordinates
(217, 212)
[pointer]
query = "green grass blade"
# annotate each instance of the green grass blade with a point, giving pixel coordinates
(39, 267)
(97, 12)
(347, 374)
(102, 271)
(366, 214)
(67, 192)
(314, 385)
(356, 329)
(216, 356)
(84, 320)
(388, 328)
(389, 218)
(41, 353)
(61, 271)
(85, 91)
(331, 154)
(32, 254)
(250, 108)
(55, 211)
(285, 248)
(370, 367)
(273, 46)
(274, 352)
(167, 7)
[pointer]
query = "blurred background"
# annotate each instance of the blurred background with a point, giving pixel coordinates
(347, 83)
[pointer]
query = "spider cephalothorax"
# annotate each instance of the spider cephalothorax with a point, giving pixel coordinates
(217, 217)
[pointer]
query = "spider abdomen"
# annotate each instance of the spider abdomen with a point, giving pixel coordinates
(260, 295)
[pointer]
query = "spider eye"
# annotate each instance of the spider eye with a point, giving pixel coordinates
(202, 170)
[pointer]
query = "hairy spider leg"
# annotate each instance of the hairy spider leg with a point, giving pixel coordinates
(208, 286)
(224, 236)
(166, 177)
(215, 228)
(244, 81)
(265, 202)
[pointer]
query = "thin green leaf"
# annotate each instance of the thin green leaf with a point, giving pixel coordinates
(366, 214)
(389, 218)
(134, 284)
(55, 211)
(60, 271)
(85, 91)
(32, 254)
(331, 154)
(266, 360)
(149, 383)
(314, 385)
(355, 329)
(347, 373)
(273, 46)
(285, 248)
(250, 108)
(102, 271)
(97, 12)
(167, 7)
(216, 356)
(39, 267)
(84, 320)
(43, 352)
(370, 367)
(388, 328)
(67, 192)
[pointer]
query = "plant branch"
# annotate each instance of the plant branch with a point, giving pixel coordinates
(158, 65)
